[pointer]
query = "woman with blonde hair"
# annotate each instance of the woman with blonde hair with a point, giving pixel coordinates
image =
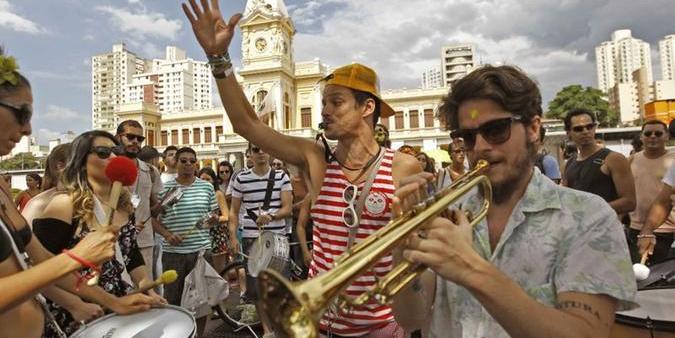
(73, 214)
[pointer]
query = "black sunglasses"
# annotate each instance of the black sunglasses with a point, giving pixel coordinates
(185, 160)
(104, 152)
(494, 132)
(256, 150)
(22, 113)
(132, 137)
(649, 133)
(224, 171)
(579, 129)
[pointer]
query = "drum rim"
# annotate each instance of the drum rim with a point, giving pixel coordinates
(77, 333)
(657, 324)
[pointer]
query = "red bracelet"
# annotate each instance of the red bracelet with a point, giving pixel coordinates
(83, 276)
(84, 262)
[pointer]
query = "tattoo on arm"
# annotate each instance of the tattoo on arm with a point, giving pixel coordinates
(577, 305)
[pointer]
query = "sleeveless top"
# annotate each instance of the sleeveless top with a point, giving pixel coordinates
(648, 174)
(586, 176)
(330, 235)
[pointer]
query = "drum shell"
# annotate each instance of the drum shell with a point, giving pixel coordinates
(275, 254)
(168, 321)
(655, 317)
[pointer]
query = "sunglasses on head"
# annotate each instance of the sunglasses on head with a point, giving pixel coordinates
(579, 129)
(649, 133)
(493, 132)
(132, 137)
(185, 161)
(22, 113)
(104, 152)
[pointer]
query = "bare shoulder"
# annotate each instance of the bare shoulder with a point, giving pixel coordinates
(404, 165)
(615, 159)
(60, 207)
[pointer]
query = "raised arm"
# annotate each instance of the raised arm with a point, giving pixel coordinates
(215, 35)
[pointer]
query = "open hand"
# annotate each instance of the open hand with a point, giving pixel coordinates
(211, 31)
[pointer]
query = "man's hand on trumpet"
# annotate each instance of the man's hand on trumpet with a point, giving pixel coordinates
(444, 244)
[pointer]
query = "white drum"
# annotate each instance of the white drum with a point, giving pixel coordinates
(269, 251)
(655, 318)
(163, 322)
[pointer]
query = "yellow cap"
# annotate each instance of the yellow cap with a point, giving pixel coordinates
(359, 77)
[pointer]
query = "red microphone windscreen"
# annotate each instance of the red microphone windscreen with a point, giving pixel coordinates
(121, 169)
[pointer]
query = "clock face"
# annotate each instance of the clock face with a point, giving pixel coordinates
(261, 44)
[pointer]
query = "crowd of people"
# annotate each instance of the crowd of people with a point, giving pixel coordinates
(557, 243)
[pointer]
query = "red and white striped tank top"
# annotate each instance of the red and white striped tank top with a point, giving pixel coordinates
(330, 235)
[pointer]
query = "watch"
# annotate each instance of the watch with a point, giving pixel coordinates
(221, 65)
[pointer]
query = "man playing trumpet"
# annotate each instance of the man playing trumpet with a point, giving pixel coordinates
(543, 251)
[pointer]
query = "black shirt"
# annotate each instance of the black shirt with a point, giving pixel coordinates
(586, 176)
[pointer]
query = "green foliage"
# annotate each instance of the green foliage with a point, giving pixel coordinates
(576, 96)
(22, 161)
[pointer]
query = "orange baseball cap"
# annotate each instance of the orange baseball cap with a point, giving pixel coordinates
(359, 77)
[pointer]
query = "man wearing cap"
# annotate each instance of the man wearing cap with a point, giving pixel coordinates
(337, 177)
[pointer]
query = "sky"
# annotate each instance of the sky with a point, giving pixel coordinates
(552, 40)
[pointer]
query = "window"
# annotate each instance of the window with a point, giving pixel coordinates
(287, 111)
(207, 135)
(186, 136)
(174, 137)
(398, 120)
(196, 136)
(428, 118)
(151, 138)
(219, 131)
(414, 119)
(306, 117)
(384, 121)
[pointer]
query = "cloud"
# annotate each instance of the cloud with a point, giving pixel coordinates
(56, 113)
(142, 24)
(44, 135)
(88, 37)
(552, 40)
(16, 22)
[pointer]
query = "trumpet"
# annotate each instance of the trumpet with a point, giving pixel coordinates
(293, 309)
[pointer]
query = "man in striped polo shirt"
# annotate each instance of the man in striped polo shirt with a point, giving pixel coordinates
(182, 241)
(249, 190)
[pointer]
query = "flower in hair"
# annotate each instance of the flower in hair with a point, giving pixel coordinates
(8, 70)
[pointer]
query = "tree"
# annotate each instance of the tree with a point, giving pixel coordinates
(21, 161)
(576, 96)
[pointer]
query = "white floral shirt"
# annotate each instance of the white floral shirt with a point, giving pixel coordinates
(556, 240)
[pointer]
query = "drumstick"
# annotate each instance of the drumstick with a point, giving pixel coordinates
(167, 277)
(645, 256)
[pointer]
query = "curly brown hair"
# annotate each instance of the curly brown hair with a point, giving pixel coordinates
(508, 86)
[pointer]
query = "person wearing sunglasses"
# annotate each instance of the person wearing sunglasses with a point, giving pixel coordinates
(225, 171)
(543, 251)
(182, 241)
(597, 169)
(351, 106)
(262, 197)
(72, 214)
(649, 168)
(144, 191)
(26, 267)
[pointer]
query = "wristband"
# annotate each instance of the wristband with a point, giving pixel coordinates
(646, 236)
(84, 276)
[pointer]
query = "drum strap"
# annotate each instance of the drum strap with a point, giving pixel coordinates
(268, 196)
(362, 197)
(25, 262)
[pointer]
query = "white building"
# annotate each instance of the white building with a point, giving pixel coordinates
(110, 72)
(175, 84)
(457, 61)
(617, 59)
(664, 90)
(432, 78)
(667, 54)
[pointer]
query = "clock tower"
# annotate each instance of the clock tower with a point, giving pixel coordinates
(267, 58)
